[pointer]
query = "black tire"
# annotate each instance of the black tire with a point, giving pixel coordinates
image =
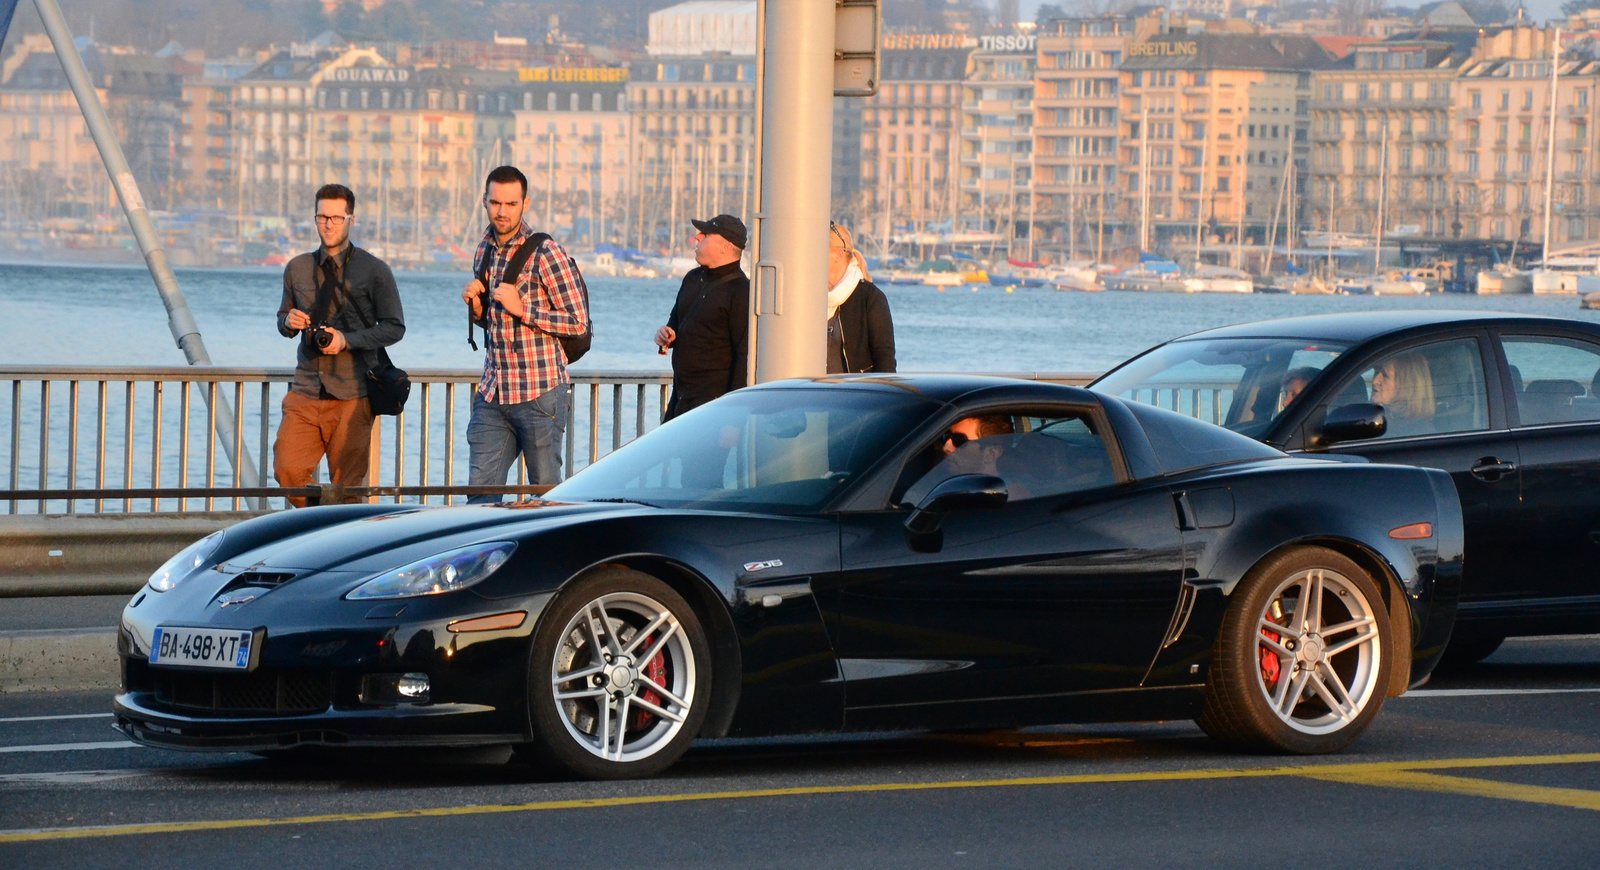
(1467, 650)
(568, 729)
(1251, 697)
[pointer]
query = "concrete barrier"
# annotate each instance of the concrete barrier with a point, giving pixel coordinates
(59, 660)
(96, 554)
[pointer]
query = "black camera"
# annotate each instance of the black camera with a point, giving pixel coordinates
(321, 336)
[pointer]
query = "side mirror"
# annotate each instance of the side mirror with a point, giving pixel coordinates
(1355, 422)
(962, 492)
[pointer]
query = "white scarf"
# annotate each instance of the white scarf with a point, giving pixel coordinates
(842, 290)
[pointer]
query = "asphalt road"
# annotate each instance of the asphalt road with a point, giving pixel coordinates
(1497, 766)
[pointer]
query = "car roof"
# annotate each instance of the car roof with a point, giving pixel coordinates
(1363, 325)
(949, 388)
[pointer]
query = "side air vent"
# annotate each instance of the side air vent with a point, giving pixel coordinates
(1180, 616)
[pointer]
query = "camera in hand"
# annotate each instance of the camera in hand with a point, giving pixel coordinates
(321, 336)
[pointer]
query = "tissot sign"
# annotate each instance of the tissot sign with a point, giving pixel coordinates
(383, 74)
(1007, 43)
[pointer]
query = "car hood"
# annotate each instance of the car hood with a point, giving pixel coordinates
(380, 543)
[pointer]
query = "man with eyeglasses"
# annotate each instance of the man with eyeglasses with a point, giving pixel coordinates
(708, 328)
(342, 303)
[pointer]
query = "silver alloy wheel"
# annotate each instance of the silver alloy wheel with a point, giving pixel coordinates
(623, 676)
(1319, 651)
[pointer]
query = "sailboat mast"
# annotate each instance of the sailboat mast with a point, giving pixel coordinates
(1144, 173)
(1550, 156)
(1200, 198)
(1383, 182)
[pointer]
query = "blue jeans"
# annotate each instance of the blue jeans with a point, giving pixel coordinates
(498, 432)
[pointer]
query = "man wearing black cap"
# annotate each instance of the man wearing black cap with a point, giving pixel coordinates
(708, 330)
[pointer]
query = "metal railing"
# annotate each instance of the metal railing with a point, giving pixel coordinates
(152, 429)
(80, 439)
(1204, 400)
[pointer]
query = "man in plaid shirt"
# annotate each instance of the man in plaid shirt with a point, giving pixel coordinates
(521, 403)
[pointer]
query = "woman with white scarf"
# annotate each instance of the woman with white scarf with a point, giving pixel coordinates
(860, 328)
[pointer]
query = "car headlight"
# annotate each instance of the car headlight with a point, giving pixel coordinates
(446, 572)
(183, 564)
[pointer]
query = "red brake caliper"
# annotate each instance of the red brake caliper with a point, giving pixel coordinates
(1270, 667)
(656, 670)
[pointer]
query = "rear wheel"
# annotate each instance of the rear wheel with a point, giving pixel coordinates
(1303, 657)
(620, 677)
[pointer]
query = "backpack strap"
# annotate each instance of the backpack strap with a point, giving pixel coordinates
(514, 266)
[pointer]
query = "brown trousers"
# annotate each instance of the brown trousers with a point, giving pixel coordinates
(341, 429)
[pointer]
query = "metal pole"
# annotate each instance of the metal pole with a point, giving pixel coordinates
(754, 337)
(796, 179)
(184, 329)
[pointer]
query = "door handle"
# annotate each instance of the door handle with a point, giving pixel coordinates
(1491, 469)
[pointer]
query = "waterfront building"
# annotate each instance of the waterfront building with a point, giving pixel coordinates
(208, 130)
(573, 140)
(910, 137)
(1075, 100)
(49, 167)
(1501, 140)
(1380, 136)
(1212, 125)
(416, 143)
(693, 140)
(996, 172)
(692, 102)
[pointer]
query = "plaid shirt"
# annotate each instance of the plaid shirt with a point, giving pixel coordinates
(522, 358)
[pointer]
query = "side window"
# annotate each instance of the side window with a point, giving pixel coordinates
(1553, 379)
(1035, 455)
(1427, 390)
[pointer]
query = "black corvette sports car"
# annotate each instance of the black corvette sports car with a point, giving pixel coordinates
(811, 556)
(1508, 404)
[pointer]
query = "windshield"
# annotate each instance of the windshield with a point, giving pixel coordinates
(775, 451)
(1244, 384)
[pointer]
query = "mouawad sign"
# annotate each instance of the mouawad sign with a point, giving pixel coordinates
(369, 74)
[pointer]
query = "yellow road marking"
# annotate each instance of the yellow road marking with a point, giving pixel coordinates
(1576, 798)
(1387, 771)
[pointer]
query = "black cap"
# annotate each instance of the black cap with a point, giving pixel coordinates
(726, 226)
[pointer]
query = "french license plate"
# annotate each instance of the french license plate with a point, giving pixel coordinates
(201, 647)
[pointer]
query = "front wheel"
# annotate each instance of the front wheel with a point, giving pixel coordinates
(1303, 657)
(620, 677)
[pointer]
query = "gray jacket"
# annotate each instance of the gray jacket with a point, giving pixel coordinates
(366, 309)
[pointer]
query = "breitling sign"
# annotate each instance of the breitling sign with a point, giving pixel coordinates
(1163, 49)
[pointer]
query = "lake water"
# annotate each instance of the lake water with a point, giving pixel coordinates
(78, 315)
(112, 316)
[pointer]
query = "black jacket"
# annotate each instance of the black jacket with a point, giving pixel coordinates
(867, 332)
(708, 356)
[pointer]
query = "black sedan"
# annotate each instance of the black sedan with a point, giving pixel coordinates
(1509, 405)
(814, 556)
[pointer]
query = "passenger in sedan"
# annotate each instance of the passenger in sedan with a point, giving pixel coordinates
(1295, 383)
(1403, 385)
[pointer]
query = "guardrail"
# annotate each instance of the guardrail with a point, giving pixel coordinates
(109, 432)
(114, 440)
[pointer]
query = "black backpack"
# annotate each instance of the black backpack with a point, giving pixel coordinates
(575, 346)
